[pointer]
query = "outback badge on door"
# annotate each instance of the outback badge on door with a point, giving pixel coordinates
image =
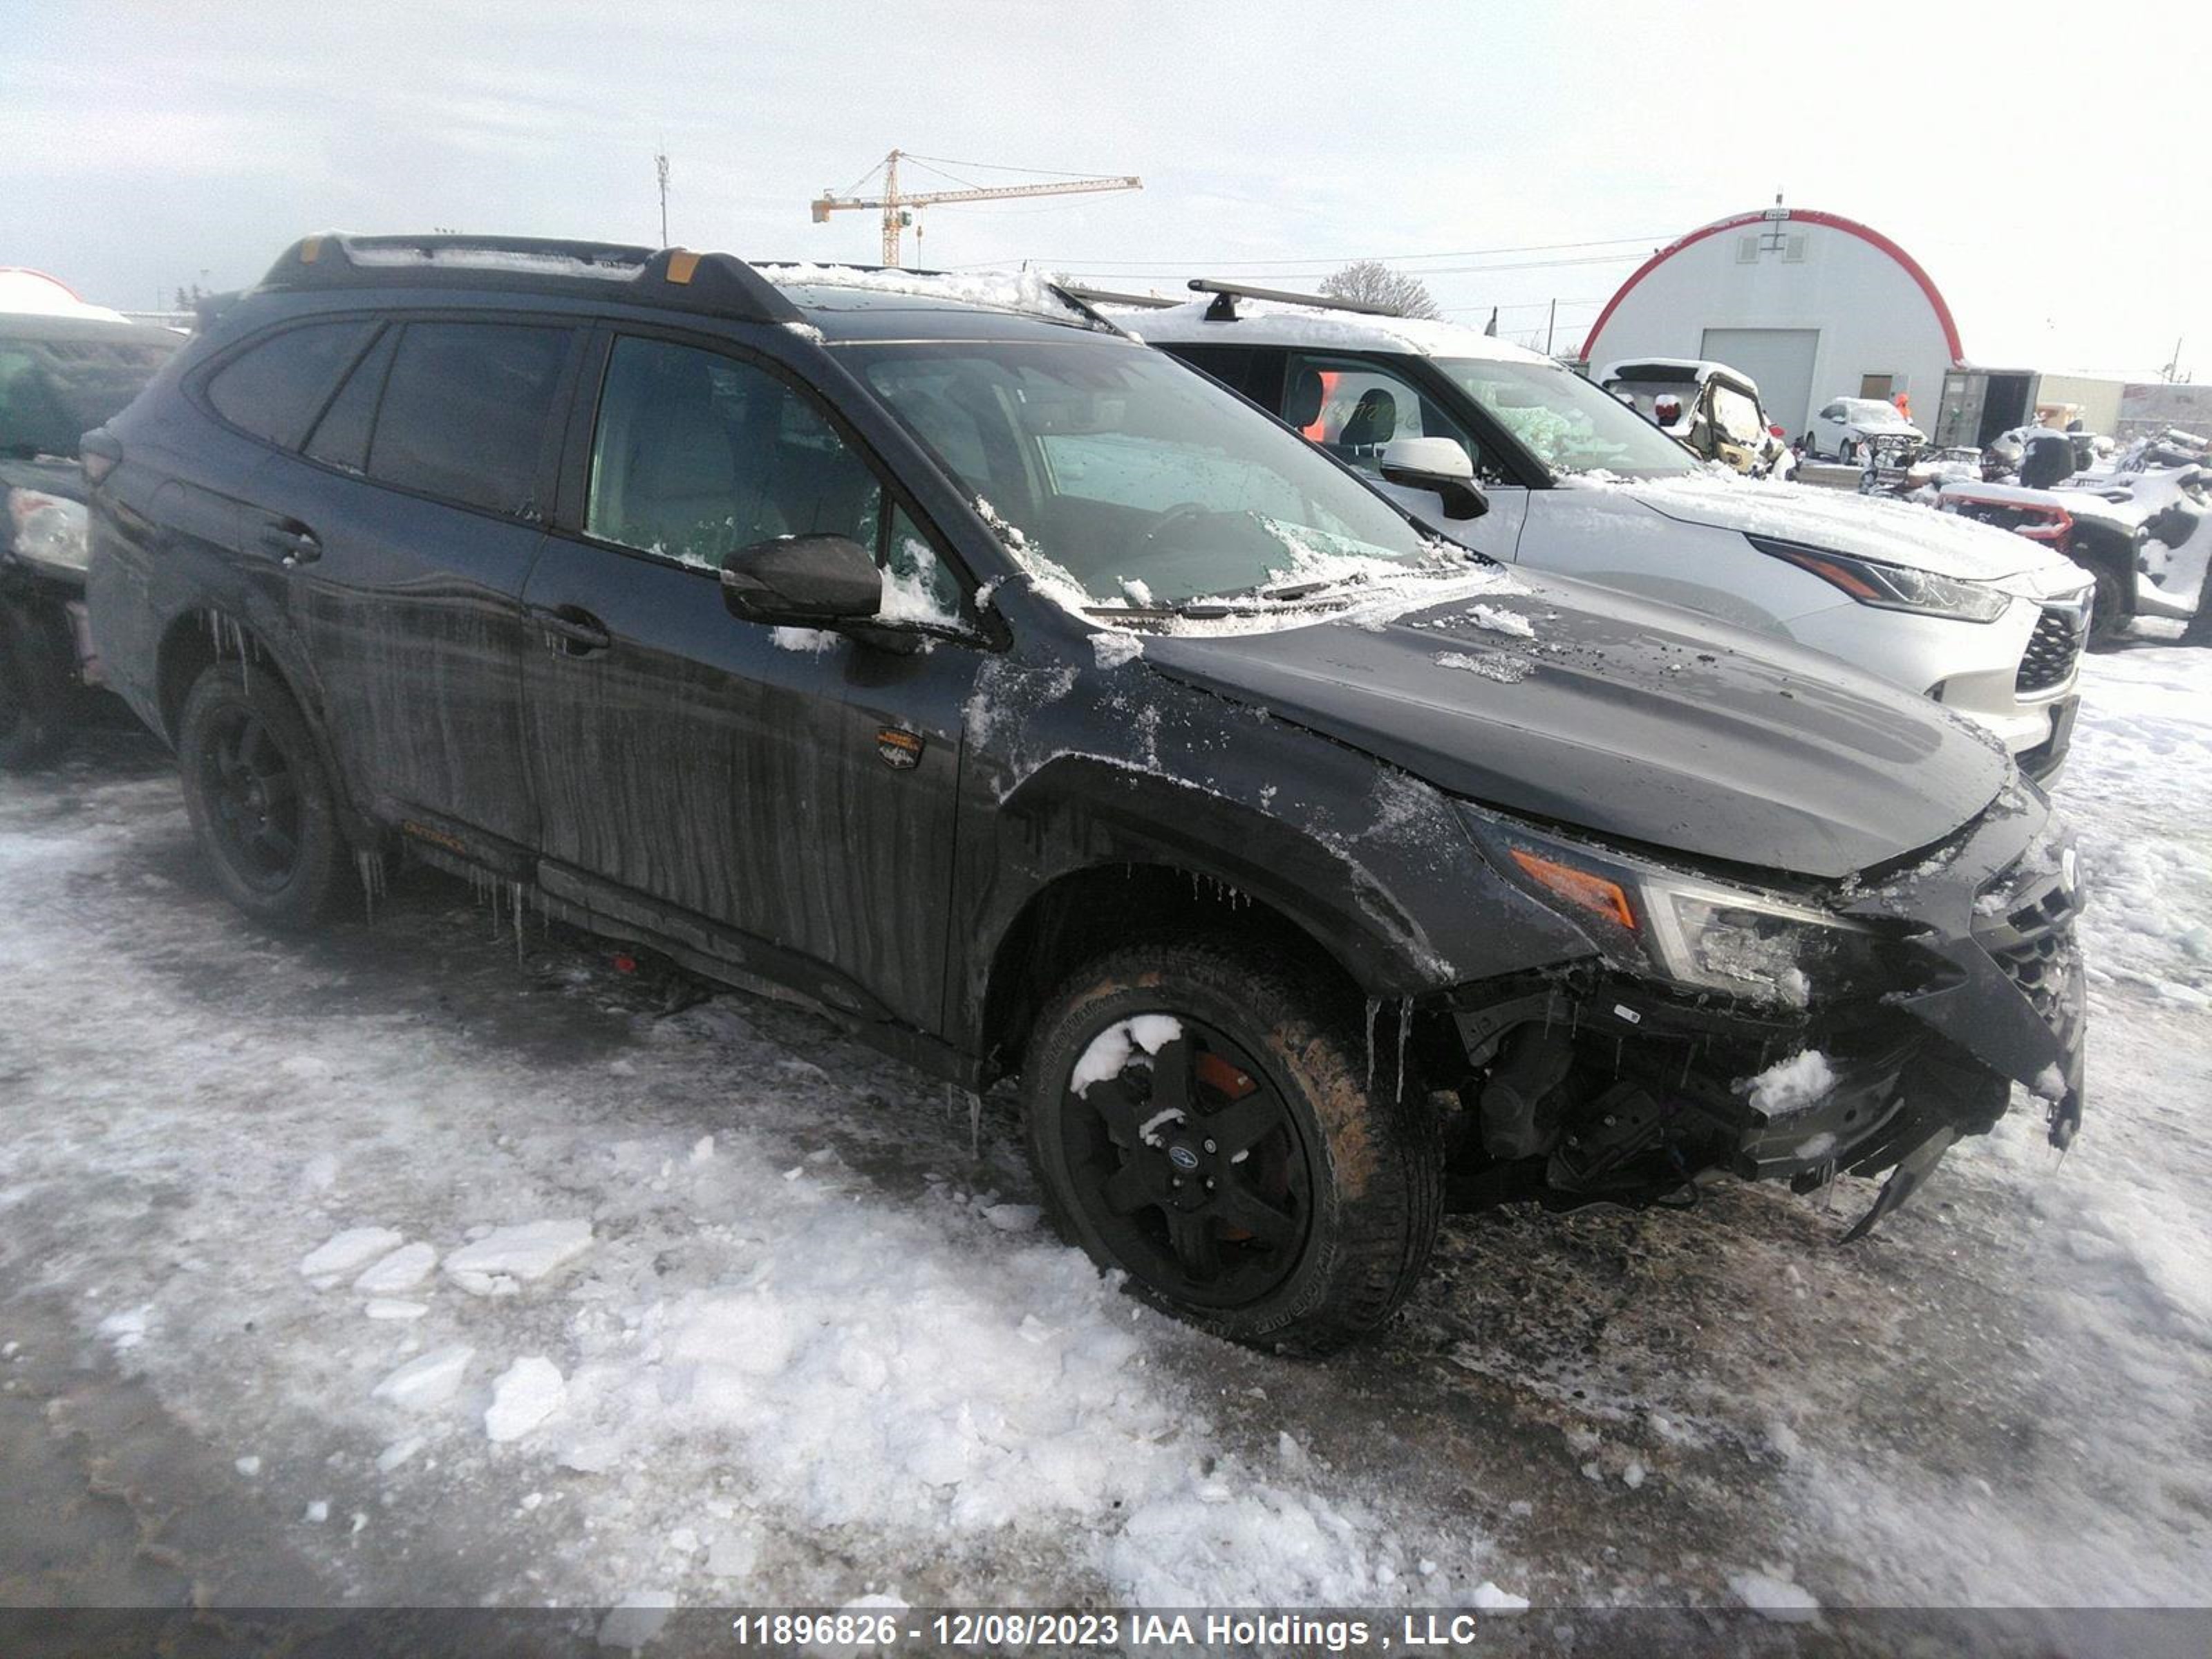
(901, 750)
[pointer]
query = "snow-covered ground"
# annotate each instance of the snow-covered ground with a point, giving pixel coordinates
(469, 1273)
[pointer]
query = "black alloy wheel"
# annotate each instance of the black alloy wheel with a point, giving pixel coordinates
(259, 798)
(1191, 1166)
(247, 782)
(1249, 1174)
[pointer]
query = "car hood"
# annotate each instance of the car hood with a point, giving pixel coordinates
(1633, 721)
(1895, 532)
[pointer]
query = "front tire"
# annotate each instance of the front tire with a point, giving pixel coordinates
(1235, 1165)
(259, 801)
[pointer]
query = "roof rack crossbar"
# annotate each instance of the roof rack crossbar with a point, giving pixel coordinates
(668, 278)
(1107, 296)
(1223, 308)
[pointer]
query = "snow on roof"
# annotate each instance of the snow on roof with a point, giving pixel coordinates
(543, 262)
(1702, 368)
(1267, 322)
(32, 293)
(1031, 291)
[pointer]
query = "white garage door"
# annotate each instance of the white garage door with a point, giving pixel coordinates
(1779, 358)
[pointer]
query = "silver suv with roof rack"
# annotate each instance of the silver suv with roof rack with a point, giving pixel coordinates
(1575, 482)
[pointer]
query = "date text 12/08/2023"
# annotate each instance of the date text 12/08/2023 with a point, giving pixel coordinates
(886, 1628)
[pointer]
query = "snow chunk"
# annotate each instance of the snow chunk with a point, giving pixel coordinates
(1486, 1597)
(397, 1452)
(1115, 648)
(1013, 1218)
(1501, 622)
(527, 1392)
(248, 1467)
(354, 1248)
(1804, 1079)
(402, 1270)
(428, 1381)
(802, 639)
(126, 1330)
(1111, 1050)
(636, 1619)
(527, 1252)
(1774, 1597)
(1500, 666)
(378, 1307)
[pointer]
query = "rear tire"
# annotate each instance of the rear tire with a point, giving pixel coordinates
(1282, 1205)
(34, 689)
(259, 800)
(2108, 611)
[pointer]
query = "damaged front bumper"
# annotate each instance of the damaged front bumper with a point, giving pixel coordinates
(1596, 1083)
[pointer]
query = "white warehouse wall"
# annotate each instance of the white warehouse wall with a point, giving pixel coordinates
(1872, 311)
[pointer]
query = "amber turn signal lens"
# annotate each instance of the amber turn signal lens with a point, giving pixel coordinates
(1580, 888)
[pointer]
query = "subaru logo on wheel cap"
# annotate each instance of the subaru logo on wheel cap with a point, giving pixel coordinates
(1183, 1157)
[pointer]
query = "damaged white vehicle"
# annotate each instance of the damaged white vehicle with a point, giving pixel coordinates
(1990, 625)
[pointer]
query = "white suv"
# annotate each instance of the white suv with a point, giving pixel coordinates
(1990, 625)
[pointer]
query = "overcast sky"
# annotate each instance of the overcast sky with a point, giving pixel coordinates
(2047, 166)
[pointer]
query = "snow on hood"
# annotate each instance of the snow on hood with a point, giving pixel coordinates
(1895, 532)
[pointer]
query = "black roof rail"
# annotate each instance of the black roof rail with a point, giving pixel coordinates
(1107, 296)
(1226, 294)
(673, 278)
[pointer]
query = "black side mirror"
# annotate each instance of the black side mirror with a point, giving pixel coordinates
(1463, 499)
(803, 581)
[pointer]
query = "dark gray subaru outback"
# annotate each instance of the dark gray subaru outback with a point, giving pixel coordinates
(1036, 707)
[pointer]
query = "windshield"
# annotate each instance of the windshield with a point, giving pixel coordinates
(1871, 411)
(1135, 478)
(1569, 424)
(52, 391)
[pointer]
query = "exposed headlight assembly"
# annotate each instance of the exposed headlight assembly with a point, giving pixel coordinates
(50, 532)
(1893, 587)
(1702, 934)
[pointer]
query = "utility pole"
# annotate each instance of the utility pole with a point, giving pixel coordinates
(660, 170)
(1549, 321)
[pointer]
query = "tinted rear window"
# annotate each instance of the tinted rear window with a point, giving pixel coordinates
(466, 410)
(277, 388)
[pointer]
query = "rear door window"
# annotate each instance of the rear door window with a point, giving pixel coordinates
(467, 413)
(275, 389)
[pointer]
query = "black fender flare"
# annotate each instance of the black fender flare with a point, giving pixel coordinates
(1359, 891)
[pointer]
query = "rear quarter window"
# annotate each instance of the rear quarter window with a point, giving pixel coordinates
(275, 388)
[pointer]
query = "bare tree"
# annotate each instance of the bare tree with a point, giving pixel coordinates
(1376, 283)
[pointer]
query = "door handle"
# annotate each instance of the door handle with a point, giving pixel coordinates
(572, 629)
(290, 543)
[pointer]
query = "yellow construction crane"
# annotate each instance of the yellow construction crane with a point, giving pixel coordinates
(897, 203)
